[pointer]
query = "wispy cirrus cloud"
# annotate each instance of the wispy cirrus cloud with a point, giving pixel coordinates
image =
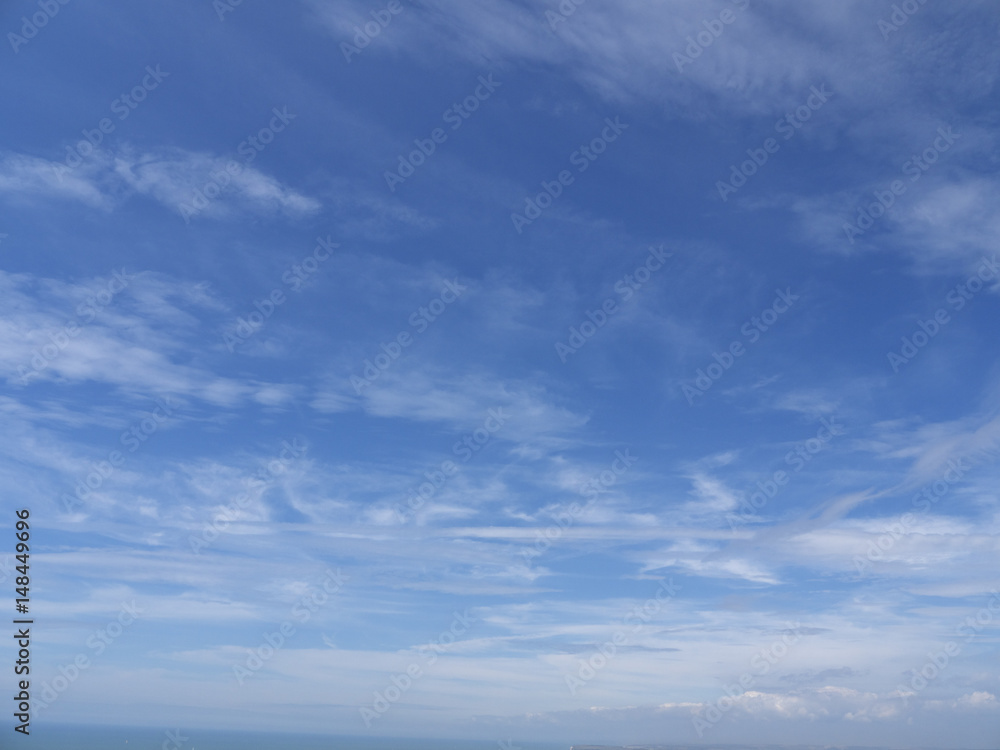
(173, 177)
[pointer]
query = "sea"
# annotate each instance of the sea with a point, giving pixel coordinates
(71, 737)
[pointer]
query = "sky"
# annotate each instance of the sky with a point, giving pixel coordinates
(513, 370)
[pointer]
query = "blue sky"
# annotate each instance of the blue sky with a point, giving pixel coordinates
(599, 372)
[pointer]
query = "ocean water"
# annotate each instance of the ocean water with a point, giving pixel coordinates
(67, 737)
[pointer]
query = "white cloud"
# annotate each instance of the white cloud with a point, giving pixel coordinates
(170, 176)
(713, 495)
(23, 176)
(129, 330)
